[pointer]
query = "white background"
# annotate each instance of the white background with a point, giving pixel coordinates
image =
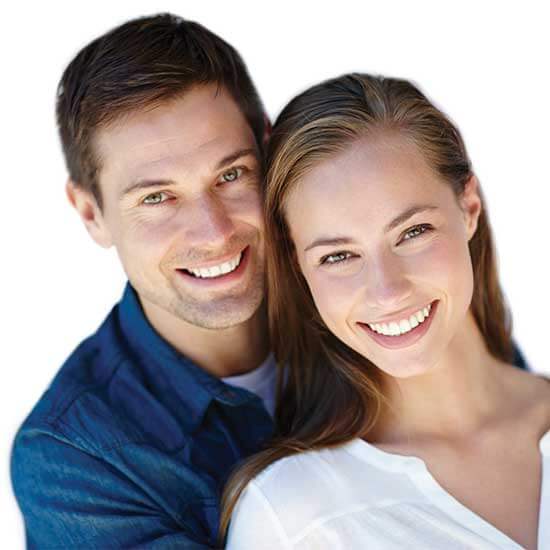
(485, 63)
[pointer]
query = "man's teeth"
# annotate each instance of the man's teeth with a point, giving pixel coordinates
(405, 325)
(217, 270)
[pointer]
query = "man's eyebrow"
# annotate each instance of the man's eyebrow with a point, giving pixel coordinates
(144, 184)
(229, 159)
(402, 218)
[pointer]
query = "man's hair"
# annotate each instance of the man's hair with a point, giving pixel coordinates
(139, 65)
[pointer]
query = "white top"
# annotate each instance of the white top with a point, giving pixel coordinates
(357, 497)
(261, 381)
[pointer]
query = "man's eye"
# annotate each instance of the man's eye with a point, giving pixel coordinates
(337, 258)
(231, 175)
(154, 198)
(416, 231)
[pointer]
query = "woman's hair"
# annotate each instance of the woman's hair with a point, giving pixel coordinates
(333, 394)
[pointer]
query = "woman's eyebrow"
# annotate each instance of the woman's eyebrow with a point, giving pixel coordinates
(409, 213)
(327, 241)
(402, 218)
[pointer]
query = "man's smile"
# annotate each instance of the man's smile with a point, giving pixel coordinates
(227, 270)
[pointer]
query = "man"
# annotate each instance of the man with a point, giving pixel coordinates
(163, 135)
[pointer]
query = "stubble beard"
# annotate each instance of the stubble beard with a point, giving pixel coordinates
(217, 313)
(221, 313)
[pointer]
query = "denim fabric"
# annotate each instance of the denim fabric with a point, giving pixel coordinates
(131, 444)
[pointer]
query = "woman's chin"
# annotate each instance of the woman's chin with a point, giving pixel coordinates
(406, 370)
(417, 364)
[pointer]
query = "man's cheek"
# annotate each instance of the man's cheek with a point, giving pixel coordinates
(150, 233)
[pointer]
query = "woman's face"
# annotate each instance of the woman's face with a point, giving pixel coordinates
(382, 242)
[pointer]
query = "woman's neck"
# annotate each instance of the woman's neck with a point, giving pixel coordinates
(459, 395)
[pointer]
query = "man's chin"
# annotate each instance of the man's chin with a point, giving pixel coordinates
(221, 313)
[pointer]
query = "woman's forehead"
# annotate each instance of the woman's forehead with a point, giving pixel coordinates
(370, 173)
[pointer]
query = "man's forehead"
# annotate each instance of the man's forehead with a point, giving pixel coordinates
(197, 130)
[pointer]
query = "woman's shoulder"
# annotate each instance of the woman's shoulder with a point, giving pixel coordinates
(292, 494)
(275, 504)
(311, 477)
(300, 468)
(529, 397)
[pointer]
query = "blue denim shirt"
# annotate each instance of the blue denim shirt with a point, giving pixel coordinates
(131, 444)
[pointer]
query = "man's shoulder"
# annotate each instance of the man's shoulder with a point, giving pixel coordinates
(78, 404)
(101, 398)
(90, 443)
(102, 410)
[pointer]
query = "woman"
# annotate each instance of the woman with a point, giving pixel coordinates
(403, 423)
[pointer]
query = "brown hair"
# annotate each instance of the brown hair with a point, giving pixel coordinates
(140, 64)
(333, 394)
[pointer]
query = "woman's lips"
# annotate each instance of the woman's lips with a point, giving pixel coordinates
(403, 340)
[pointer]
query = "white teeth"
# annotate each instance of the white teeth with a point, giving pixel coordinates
(217, 270)
(405, 325)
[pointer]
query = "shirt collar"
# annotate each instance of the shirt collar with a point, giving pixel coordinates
(192, 384)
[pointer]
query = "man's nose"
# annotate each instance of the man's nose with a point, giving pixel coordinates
(208, 223)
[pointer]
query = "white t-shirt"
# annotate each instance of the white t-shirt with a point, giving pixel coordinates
(358, 497)
(261, 381)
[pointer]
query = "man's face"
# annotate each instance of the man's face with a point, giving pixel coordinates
(181, 195)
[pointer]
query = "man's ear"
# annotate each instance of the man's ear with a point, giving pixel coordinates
(86, 205)
(267, 131)
(470, 202)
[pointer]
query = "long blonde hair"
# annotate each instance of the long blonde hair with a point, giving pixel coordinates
(332, 394)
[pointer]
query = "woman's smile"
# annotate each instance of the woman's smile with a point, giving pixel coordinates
(403, 333)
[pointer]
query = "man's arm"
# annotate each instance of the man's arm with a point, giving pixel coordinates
(72, 499)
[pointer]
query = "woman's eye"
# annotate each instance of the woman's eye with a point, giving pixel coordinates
(336, 258)
(231, 175)
(416, 231)
(154, 198)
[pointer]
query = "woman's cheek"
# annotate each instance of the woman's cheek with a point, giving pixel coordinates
(333, 297)
(446, 265)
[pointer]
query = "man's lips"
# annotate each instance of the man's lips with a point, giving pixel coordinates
(230, 277)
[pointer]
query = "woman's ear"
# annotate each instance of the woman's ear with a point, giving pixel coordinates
(91, 215)
(470, 202)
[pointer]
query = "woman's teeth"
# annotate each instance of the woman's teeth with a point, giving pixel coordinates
(396, 328)
(217, 270)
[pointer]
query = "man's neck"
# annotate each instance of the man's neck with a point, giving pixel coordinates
(220, 352)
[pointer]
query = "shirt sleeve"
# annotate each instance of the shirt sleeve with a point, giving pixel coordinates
(73, 499)
(255, 525)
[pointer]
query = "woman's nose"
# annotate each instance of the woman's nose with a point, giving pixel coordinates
(388, 284)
